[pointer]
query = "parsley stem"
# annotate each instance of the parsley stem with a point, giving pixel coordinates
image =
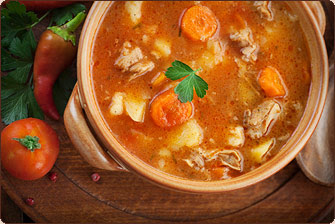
(40, 19)
(196, 70)
(30, 82)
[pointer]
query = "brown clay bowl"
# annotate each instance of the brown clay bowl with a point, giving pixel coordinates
(92, 138)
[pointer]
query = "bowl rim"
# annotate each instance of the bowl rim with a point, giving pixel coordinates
(136, 165)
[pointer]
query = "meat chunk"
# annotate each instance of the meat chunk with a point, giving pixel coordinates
(141, 68)
(132, 60)
(246, 41)
(215, 158)
(258, 121)
(227, 157)
(264, 7)
(196, 159)
(128, 57)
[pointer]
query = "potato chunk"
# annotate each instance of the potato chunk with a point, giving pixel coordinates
(164, 152)
(162, 48)
(116, 107)
(134, 9)
(261, 150)
(190, 134)
(213, 55)
(135, 108)
(236, 136)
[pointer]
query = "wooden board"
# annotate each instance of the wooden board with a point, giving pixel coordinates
(121, 197)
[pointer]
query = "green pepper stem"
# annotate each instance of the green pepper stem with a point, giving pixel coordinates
(67, 31)
(31, 143)
(73, 24)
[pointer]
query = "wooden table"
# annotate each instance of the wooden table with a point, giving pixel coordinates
(121, 197)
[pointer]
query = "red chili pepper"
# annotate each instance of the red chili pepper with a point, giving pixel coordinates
(55, 51)
(43, 5)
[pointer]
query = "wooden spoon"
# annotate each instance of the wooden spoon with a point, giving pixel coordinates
(316, 160)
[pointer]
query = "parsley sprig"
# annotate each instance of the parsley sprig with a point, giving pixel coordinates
(185, 88)
(62, 15)
(18, 47)
(17, 97)
(15, 20)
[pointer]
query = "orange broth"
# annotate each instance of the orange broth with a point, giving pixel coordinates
(233, 86)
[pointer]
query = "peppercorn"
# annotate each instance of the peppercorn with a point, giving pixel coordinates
(53, 176)
(30, 201)
(95, 177)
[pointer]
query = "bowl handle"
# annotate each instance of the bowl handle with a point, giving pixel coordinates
(82, 137)
(318, 13)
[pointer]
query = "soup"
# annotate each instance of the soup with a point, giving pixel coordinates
(201, 90)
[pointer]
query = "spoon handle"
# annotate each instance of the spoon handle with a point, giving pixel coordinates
(316, 160)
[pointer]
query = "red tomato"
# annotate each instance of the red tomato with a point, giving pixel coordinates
(21, 162)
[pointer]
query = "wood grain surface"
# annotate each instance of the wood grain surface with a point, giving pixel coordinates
(121, 197)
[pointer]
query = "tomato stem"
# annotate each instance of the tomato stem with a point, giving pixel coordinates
(31, 143)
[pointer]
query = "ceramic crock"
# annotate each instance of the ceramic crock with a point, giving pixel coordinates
(91, 136)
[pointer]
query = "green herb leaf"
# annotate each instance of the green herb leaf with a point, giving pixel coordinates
(65, 14)
(17, 97)
(22, 49)
(14, 20)
(200, 86)
(8, 62)
(178, 70)
(62, 90)
(33, 109)
(15, 107)
(185, 88)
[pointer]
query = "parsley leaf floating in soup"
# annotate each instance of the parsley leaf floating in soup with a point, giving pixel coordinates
(185, 88)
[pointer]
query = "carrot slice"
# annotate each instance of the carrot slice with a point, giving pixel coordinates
(271, 82)
(217, 172)
(199, 23)
(167, 111)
